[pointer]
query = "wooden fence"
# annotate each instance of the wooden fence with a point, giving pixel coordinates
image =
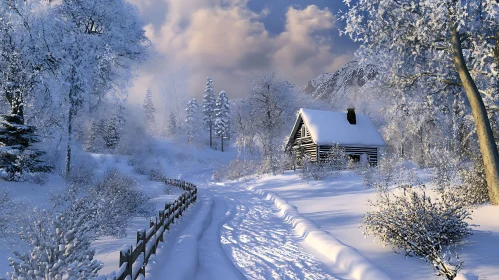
(133, 261)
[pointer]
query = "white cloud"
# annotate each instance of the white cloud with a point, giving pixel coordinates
(225, 40)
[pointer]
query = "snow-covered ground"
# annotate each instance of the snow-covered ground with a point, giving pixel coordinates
(232, 233)
(336, 206)
(273, 227)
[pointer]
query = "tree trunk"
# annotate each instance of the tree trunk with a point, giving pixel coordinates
(211, 145)
(70, 132)
(488, 146)
(222, 143)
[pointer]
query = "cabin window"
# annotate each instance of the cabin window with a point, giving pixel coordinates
(303, 131)
(354, 158)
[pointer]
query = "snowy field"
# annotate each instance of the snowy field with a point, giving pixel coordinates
(272, 227)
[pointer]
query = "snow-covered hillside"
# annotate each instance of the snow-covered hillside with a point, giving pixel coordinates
(329, 86)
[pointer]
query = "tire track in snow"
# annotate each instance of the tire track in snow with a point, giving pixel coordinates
(213, 262)
(262, 244)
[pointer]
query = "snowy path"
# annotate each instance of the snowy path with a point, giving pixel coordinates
(262, 244)
(235, 234)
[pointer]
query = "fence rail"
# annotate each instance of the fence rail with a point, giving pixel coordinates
(133, 261)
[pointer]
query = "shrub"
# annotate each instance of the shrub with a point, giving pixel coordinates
(390, 171)
(236, 169)
(473, 190)
(82, 175)
(155, 173)
(311, 170)
(444, 165)
(107, 205)
(61, 250)
(409, 220)
(328, 167)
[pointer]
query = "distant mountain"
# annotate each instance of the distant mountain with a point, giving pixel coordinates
(328, 85)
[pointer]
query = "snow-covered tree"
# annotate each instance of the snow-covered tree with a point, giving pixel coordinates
(92, 46)
(270, 105)
(209, 104)
(61, 250)
(442, 44)
(192, 119)
(172, 128)
(149, 111)
(222, 117)
(20, 61)
(95, 141)
(17, 154)
(175, 95)
(111, 134)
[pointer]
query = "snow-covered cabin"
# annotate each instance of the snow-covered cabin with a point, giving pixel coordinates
(315, 132)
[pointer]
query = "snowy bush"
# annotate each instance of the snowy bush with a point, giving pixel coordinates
(156, 172)
(4, 218)
(13, 216)
(107, 205)
(390, 171)
(83, 175)
(61, 250)
(444, 165)
(311, 170)
(329, 167)
(411, 221)
(237, 169)
(473, 188)
(147, 162)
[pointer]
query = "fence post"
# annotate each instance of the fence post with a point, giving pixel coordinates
(175, 209)
(141, 236)
(162, 224)
(152, 224)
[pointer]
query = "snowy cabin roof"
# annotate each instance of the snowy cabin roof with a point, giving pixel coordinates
(329, 128)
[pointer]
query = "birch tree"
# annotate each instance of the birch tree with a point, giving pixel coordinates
(446, 43)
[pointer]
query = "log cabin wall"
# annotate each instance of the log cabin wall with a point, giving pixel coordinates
(303, 144)
(372, 152)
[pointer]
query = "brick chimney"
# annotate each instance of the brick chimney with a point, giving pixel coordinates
(352, 119)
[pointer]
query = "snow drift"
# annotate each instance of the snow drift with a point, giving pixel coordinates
(345, 258)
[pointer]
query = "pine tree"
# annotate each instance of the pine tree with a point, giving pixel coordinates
(111, 132)
(209, 104)
(192, 119)
(222, 117)
(95, 142)
(172, 125)
(17, 156)
(149, 111)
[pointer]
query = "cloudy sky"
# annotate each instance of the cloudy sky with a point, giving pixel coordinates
(234, 40)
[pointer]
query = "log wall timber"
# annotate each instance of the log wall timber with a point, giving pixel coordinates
(372, 152)
(304, 145)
